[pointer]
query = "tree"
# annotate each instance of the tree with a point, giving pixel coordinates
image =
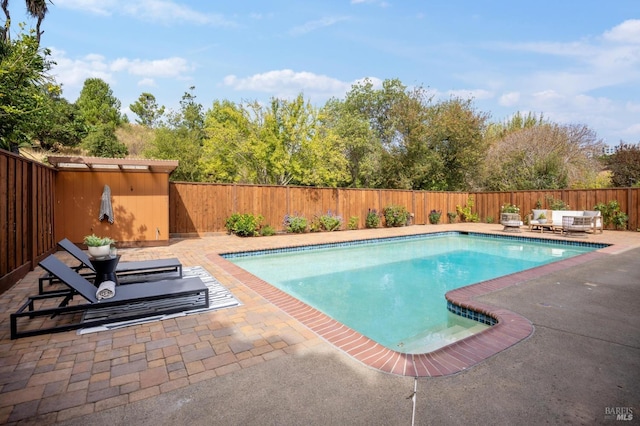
(227, 154)
(100, 111)
(181, 139)
(37, 9)
(455, 132)
(59, 124)
(97, 104)
(625, 165)
(24, 90)
(102, 142)
(148, 112)
(353, 137)
(4, 32)
(497, 131)
(549, 156)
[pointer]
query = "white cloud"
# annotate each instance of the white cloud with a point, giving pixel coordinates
(169, 67)
(315, 25)
(98, 7)
(287, 83)
(633, 130)
(509, 99)
(476, 94)
(72, 73)
(147, 82)
(163, 11)
(627, 32)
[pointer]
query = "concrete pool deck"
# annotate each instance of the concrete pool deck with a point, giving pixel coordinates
(256, 364)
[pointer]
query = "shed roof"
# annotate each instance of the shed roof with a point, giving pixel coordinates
(78, 163)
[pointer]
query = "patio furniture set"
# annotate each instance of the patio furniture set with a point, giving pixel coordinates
(565, 222)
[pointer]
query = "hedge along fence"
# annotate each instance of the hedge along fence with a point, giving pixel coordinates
(200, 208)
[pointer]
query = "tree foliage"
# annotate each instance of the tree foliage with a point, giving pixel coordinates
(147, 109)
(181, 139)
(281, 143)
(100, 112)
(24, 90)
(546, 156)
(625, 165)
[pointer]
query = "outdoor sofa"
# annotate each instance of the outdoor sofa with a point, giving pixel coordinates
(563, 220)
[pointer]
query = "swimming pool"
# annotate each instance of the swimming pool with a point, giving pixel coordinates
(392, 290)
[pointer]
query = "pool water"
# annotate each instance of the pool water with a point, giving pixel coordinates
(393, 291)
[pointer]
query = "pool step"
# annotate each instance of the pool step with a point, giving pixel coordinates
(435, 339)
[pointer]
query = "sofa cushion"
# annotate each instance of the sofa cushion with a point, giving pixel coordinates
(537, 213)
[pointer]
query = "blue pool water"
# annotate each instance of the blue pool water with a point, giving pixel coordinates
(392, 291)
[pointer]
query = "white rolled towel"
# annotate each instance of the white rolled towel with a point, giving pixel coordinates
(106, 290)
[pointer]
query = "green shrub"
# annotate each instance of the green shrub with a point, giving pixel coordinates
(326, 222)
(465, 213)
(452, 216)
(612, 215)
(295, 224)
(395, 216)
(353, 223)
(243, 225)
(267, 231)
(434, 217)
(373, 219)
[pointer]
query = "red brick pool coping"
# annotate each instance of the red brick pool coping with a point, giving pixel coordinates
(510, 328)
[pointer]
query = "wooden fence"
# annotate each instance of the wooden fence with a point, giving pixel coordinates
(27, 198)
(197, 208)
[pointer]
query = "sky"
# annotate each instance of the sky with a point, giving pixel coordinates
(572, 62)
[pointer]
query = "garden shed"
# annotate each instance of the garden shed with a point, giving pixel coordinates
(125, 199)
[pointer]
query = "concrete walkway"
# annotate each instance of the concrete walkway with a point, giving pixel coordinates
(256, 365)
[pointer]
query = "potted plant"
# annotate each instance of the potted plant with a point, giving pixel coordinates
(542, 218)
(434, 217)
(98, 246)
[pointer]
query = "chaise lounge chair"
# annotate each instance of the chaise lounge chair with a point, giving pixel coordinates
(138, 271)
(181, 294)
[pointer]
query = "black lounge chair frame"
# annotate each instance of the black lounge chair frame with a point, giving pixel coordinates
(125, 295)
(138, 271)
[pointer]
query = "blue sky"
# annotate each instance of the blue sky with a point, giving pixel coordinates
(574, 62)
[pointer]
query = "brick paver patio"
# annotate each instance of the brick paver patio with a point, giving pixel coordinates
(55, 377)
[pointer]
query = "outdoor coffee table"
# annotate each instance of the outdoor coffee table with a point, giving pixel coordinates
(105, 269)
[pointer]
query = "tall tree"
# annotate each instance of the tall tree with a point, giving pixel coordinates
(97, 104)
(455, 134)
(4, 32)
(148, 112)
(181, 139)
(625, 165)
(59, 123)
(100, 110)
(37, 9)
(24, 90)
(354, 138)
